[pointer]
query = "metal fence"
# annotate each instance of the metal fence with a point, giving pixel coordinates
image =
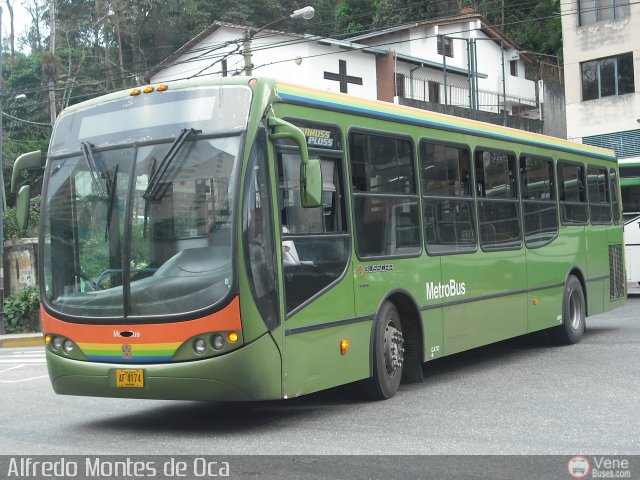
(436, 91)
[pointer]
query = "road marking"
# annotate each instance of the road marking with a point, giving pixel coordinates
(24, 379)
(12, 368)
(21, 360)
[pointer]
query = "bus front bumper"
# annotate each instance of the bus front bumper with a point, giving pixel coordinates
(253, 372)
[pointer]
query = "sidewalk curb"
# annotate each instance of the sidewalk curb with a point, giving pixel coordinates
(10, 341)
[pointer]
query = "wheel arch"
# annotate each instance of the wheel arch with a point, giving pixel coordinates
(576, 272)
(412, 331)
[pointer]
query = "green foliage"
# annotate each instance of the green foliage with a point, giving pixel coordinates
(11, 229)
(21, 311)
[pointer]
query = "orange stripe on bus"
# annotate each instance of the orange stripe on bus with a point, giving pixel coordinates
(224, 320)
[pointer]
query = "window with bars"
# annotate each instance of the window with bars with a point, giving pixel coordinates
(445, 46)
(608, 76)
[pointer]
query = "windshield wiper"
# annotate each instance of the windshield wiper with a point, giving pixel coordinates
(96, 178)
(158, 175)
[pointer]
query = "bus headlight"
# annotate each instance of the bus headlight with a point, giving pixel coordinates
(217, 342)
(199, 346)
(56, 343)
(68, 346)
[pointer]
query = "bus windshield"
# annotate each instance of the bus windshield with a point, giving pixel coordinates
(143, 228)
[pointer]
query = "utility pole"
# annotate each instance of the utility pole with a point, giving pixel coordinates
(2, 200)
(306, 13)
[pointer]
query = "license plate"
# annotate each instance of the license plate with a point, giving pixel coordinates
(128, 378)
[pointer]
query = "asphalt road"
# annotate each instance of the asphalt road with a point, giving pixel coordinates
(522, 396)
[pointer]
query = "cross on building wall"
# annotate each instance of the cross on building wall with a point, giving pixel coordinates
(342, 77)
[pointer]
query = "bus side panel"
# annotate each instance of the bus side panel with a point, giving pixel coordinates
(547, 268)
(597, 268)
(312, 359)
(433, 334)
(498, 281)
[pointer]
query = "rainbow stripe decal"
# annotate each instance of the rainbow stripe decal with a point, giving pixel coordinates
(389, 111)
(144, 343)
(129, 353)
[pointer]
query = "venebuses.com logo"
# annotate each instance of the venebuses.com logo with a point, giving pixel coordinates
(578, 467)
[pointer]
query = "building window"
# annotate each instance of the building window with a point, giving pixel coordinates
(400, 84)
(513, 65)
(445, 46)
(607, 76)
(434, 92)
(592, 11)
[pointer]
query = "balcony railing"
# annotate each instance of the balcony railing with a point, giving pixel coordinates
(429, 90)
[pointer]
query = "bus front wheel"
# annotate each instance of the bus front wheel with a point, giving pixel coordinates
(573, 314)
(388, 353)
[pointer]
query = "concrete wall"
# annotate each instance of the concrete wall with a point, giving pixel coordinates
(20, 264)
(553, 110)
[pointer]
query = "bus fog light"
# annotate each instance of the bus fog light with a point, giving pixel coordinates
(217, 342)
(56, 343)
(199, 346)
(67, 346)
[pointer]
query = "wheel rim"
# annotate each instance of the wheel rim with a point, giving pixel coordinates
(575, 310)
(393, 349)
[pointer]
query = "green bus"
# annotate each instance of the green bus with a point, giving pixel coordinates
(246, 239)
(630, 186)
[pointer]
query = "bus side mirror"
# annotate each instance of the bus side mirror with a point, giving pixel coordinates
(27, 161)
(310, 171)
(22, 206)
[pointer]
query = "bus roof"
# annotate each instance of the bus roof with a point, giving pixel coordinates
(297, 94)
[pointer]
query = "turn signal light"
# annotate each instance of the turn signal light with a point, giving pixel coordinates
(344, 346)
(232, 337)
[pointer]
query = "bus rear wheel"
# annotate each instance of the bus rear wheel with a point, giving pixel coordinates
(388, 353)
(573, 314)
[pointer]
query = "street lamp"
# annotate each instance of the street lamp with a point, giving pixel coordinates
(305, 13)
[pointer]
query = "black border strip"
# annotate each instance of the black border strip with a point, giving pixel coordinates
(336, 323)
(320, 326)
(600, 277)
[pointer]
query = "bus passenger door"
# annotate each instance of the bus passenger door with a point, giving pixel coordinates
(318, 295)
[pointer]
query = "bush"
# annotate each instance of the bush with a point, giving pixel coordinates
(11, 229)
(21, 311)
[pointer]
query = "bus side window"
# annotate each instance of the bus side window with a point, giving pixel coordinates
(573, 199)
(449, 223)
(538, 201)
(385, 200)
(598, 186)
(498, 207)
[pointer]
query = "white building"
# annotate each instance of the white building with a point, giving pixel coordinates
(462, 56)
(602, 75)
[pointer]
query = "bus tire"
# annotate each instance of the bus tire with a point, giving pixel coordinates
(573, 314)
(387, 353)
